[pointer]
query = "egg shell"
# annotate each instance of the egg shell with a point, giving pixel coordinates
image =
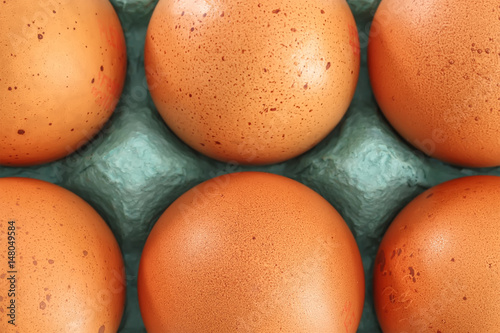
(251, 252)
(68, 269)
(250, 81)
(63, 70)
(437, 268)
(435, 72)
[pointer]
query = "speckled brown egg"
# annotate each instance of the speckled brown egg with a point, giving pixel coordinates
(255, 82)
(62, 71)
(61, 269)
(251, 252)
(438, 266)
(435, 71)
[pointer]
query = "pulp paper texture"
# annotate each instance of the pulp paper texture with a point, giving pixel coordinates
(135, 167)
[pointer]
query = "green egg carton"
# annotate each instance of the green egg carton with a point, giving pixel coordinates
(136, 167)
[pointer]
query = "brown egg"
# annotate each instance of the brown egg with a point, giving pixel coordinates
(63, 69)
(61, 268)
(251, 252)
(438, 266)
(435, 71)
(254, 82)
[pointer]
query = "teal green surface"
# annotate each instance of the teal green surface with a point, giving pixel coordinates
(136, 167)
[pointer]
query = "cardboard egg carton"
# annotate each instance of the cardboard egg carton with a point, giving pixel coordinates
(136, 167)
